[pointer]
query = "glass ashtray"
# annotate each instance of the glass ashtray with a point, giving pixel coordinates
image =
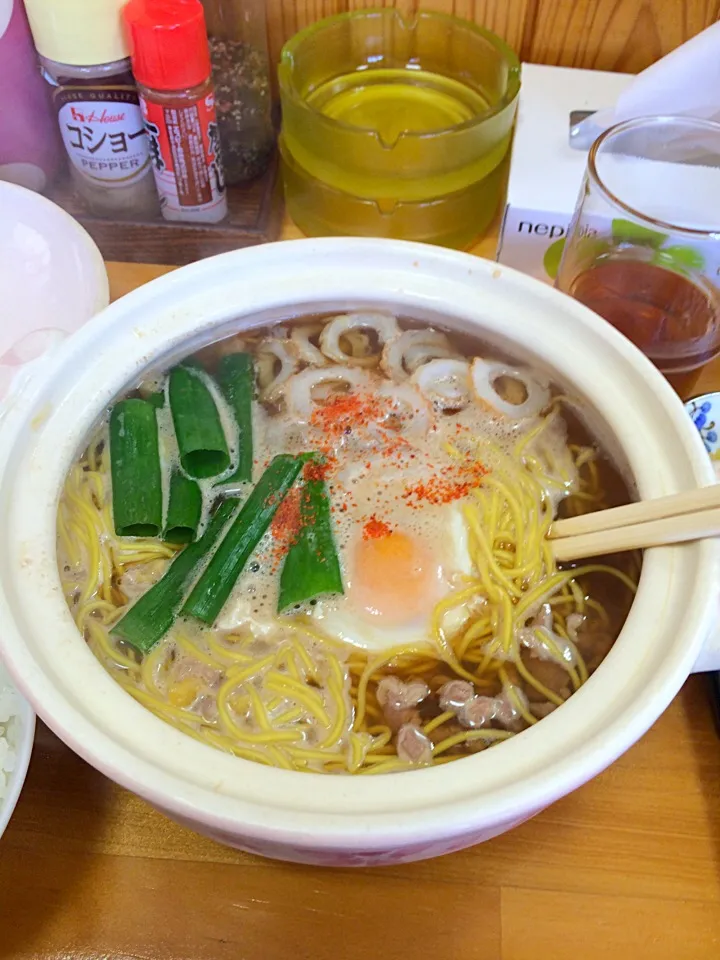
(452, 220)
(395, 110)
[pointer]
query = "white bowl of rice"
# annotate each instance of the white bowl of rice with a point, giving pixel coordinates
(17, 728)
(287, 807)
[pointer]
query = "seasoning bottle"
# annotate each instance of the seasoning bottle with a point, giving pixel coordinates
(84, 58)
(171, 63)
(237, 30)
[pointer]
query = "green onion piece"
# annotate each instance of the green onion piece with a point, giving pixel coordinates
(184, 509)
(199, 432)
(236, 378)
(311, 566)
(135, 469)
(214, 586)
(150, 617)
(157, 399)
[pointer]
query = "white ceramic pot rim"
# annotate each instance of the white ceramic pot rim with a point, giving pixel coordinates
(656, 650)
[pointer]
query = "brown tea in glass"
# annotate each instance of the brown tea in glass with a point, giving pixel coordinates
(675, 322)
(643, 248)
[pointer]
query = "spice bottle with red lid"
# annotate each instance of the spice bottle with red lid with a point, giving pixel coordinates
(171, 64)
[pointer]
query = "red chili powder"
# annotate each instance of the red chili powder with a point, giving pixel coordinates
(285, 526)
(374, 529)
(318, 470)
(345, 412)
(454, 484)
(354, 413)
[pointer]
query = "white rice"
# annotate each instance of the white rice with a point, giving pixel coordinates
(9, 730)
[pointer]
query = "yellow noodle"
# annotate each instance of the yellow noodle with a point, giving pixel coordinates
(547, 639)
(196, 652)
(438, 721)
(335, 685)
(67, 542)
(239, 674)
(221, 650)
(491, 563)
(381, 735)
(160, 707)
(151, 664)
(470, 735)
(302, 627)
(280, 757)
(509, 690)
(357, 753)
(288, 716)
(308, 753)
(85, 612)
(380, 757)
(507, 520)
(534, 682)
(305, 695)
(391, 766)
(258, 707)
(101, 639)
(225, 743)
(304, 657)
(247, 736)
(124, 559)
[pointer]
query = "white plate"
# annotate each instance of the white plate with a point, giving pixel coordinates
(705, 413)
(52, 278)
(52, 281)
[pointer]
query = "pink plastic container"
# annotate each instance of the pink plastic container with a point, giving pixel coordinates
(29, 146)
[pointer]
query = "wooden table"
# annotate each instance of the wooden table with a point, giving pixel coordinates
(628, 866)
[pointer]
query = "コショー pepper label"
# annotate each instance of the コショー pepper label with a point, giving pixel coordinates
(103, 132)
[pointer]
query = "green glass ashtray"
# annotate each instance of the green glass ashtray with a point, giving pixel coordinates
(398, 111)
(452, 220)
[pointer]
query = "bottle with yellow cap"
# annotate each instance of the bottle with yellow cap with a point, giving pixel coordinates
(84, 57)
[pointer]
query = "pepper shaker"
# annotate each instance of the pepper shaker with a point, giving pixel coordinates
(237, 31)
(84, 57)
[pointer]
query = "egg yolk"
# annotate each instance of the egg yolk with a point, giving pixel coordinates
(394, 577)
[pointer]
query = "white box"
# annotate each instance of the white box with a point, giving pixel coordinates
(545, 172)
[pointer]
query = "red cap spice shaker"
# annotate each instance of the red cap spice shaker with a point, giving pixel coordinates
(171, 64)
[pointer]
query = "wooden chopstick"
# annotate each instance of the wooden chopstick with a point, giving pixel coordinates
(676, 505)
(654, 533)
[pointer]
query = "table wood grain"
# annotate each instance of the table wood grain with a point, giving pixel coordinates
(621, 35)
(627, 866)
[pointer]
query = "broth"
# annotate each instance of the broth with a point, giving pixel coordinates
(400, 607)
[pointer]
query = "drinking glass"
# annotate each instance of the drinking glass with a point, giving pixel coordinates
(643, 247)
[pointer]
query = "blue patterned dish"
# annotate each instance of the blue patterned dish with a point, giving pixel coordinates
(705, 413)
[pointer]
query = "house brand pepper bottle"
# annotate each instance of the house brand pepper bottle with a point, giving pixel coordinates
(84, 58)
